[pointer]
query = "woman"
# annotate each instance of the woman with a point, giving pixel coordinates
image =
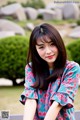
(51, 81)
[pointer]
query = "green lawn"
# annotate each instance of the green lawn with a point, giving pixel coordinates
(9, 99)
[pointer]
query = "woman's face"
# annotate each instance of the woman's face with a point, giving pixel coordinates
(47, 51)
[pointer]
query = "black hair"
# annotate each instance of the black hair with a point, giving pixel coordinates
(40, 67)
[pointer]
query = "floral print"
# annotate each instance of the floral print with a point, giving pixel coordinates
(62, 91)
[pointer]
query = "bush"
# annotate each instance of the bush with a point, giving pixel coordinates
(74, 48)
(34, 3)
(40, 16)
(78, 22)
(69, 57)
(11, 18)
(13, 53)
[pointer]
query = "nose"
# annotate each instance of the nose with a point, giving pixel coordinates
(48, 50)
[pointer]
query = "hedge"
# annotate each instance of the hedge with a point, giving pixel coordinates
(69, 56)
(13, 53)
(74, 48)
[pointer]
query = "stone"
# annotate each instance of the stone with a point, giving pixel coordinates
(70, 11)
(7, 25)
(48, 14)
(75, 33)
(73, 25)
(58, 14)
(14, 10)
(51, 6)
(31, 13)
(63, 33)
(30, 26)
(4, 34)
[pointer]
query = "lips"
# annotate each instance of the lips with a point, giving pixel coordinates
(50, 57)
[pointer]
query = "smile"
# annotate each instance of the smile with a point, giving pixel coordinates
(50, 57)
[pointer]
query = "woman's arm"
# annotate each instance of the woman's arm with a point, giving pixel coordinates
(29, 109)
(53, 111)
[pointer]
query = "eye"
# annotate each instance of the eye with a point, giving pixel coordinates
(52, 44)
(41, 47)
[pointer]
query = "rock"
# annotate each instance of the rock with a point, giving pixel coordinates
(4, 34)
(73, 25)
(70, 11)
(48, 14)
(41, 11)
(31, 13)
(58, 14)
(75, 33)
(14, 10)
(51, 6)
(30, 26)
(63, 33)
(6, 25)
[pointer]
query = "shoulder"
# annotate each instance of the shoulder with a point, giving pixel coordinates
(72, 64)
(28, 67)
(28, 70)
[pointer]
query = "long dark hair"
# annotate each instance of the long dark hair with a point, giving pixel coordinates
(40, 67)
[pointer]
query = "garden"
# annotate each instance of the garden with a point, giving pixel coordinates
(13, 54)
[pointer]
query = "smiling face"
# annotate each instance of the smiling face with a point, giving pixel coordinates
(47, 51)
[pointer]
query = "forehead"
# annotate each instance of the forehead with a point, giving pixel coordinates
(43, 39)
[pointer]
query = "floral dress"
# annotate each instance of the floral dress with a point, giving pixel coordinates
(62, 91)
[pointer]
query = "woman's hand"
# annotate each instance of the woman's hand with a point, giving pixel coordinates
(53, 111)
(29, 109)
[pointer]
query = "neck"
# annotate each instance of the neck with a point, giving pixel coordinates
(50, 66)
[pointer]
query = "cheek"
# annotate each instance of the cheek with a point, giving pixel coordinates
(40, 52)
(56, 50)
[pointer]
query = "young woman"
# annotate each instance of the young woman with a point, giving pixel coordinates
(51, 81)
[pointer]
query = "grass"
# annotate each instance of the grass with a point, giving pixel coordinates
(40, 21)
(9, 99)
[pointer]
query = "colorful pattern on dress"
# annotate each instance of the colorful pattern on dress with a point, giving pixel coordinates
(62, 91)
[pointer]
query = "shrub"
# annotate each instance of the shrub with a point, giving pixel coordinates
(34, 3)
(40, 16)
(78, 22)
(13, 52)
(11, 18)
(69, 57)
(74, 48)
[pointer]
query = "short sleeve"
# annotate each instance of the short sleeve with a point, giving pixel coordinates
(29, 92)
(68, 87)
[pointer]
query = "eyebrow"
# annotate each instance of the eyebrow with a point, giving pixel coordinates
(43, 44)
(40, 44)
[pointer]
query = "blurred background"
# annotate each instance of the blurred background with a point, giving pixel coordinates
(17, 19)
